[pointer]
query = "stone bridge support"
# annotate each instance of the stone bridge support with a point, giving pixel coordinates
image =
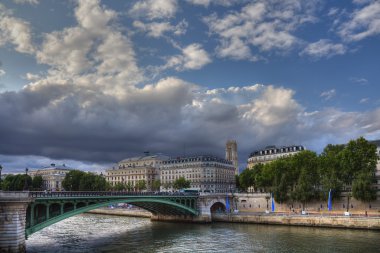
(13, 207)
(204, 204)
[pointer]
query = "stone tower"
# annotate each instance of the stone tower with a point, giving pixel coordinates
(231, 154)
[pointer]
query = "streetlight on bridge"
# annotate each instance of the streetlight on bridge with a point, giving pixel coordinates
(26, 180)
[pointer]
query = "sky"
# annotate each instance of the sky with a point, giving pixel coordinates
(88, 83)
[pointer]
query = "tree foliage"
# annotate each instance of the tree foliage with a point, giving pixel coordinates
(306, 176)
(181, 183)
(37, 183)
(77, 180)
(156, 185)
(16, 182)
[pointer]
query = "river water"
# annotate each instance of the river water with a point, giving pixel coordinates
(103, 233)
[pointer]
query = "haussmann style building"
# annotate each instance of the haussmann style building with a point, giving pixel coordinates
(131, 170)
(205, 173)
(271, 153)
(52, 176)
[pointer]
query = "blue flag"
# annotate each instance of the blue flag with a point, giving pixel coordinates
(329, 204)
(272, 203)
(227, 204)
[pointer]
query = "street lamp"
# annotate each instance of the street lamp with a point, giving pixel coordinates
(26, 180)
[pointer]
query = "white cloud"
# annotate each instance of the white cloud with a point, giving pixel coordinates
(363, 22)
(364, 100)
(154, 9)
(15, 31)
(324, 48)
(206, 3)
(26, 1)
(92, 54)
(359, 80)
(327, 95)
(2, 72)
(158, 29)
(262, 26)
(193, 57)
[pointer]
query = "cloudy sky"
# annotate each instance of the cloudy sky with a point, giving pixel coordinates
(88, 83)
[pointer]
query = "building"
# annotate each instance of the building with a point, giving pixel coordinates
(131, 170)
(231, 154)
(271, 153)
(377, 143)
(205, 173)
(52, 176)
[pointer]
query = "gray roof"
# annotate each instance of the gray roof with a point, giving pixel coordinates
(143, 158)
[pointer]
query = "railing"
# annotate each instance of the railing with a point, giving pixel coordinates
(49, 194)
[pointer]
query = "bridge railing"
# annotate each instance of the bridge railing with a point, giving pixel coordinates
(49, 194)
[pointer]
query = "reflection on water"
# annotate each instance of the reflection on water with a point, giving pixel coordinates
(102, 233)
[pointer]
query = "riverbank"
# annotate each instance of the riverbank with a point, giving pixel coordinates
(372, 223)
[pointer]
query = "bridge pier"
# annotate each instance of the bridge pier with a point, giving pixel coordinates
(13, 207)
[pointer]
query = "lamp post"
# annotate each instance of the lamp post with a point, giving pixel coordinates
(1, 168)
(26, 180)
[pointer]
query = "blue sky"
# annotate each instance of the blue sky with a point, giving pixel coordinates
(88, 83)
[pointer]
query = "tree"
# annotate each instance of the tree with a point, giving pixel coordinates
(359, 156)
(306, 188)
(246, 179)
(181, 183)
(16, 182)
(37, 182)
(237, 183)
(77, 180)
(156, 185)
(119, 187)
(331, 171)
(72, 180)
(141, 185)
(362, 187)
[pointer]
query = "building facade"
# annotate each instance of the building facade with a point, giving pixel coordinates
(377, 143)
(131, 170)
(271, 153)
(205, 173)
(231, 154)
(52, 176)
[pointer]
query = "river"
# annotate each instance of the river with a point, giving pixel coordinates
(103, 233)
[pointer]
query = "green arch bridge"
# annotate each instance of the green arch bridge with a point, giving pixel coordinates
(51, 207)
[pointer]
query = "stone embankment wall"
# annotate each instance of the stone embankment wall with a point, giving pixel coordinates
(122, 212)
(257, 202)
(303, 220)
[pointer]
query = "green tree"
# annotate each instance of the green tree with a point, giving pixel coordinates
(140, 185)
(119, 187)
(306, 188)
(156, 184)
(281, 183)
(72, 180)
(237, 183)
(363, 189)
(331, 171)
(359, 156)
(359, 160)
(181, 183)
(129, 186)
(16, 182)
(246, 179)
(37, 183)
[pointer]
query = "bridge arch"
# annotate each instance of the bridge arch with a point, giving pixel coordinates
(218, 207)
(155, 206)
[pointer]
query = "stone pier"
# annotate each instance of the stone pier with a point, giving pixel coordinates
(13, 206)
